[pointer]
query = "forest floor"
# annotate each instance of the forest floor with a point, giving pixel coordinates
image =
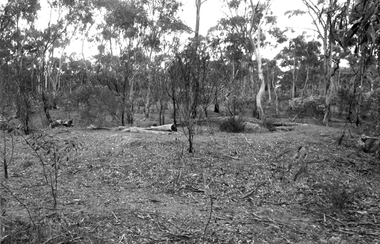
(122, 187)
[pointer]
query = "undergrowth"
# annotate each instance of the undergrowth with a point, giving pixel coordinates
(233, 124)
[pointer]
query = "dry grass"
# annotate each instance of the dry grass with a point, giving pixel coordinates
(145, 188)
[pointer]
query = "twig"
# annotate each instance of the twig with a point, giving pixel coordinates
(208, 191)
(209, 218)
(369, 137)
(47, 241)
(114, 215)
(250, 144)
(15, 197)
(228, 156)
(3, 238)
(252, 192)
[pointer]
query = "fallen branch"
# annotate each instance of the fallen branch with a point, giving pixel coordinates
(168, 127)
(254, 191)
(228, 156)
(18, 200)
(249, 143)
(144, 130)
(209, 218)
(60, 122)
(93, 127)
(162, 129)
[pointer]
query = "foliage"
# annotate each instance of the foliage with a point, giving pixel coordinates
(308, 107)
(188, 73)
(340, 195)
(234, 124)
(52, 155)
(96, 105)
(302, 62)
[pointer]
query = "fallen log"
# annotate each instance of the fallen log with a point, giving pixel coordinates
(284, 128)
(93, 127)
(370, 144)
(168, 127)
(162, 129)
(60, 122)
(144, 130)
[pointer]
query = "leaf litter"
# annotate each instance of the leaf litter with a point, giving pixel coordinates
(282, 187)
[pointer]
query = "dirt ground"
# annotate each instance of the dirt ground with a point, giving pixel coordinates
(298, 186)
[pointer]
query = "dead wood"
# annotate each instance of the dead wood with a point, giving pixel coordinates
(284, 128)
(93, 127)
(162, 129)
(168, 127)
(144, 130)
(370, 144)
(60, 122)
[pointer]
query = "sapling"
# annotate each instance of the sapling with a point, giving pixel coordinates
(51, 153)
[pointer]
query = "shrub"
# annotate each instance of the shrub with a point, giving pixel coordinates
(233, 124)
(340, 195)
(308, 107)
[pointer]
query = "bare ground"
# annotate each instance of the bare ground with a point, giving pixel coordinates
(236, 188)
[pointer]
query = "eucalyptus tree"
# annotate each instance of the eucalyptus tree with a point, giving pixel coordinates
(133, 34)
(244, 28)
(50, 41)
(232, 65)
(162, 23)
(120, 54)
(301, 58)
(188, 70)
(290, 57)
(273, 73)
(16, 22)
(361, 39)
(331, 19)
(311, 63)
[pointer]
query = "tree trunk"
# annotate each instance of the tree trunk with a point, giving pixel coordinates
(147, 102)
(256, 50)
(329, 80)
(276, 99)
(261, 91)
(130, 110)
(275, 92)
(260, 94)
(216, 107)
(329, 97)
(306, 80)
(269, 92)
(294, 76)
(5, 163)
(174, 112)
(123, 110)
(190, 129)
(161, 113)
(198, 4)
(46, 108)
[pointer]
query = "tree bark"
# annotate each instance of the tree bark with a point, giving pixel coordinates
(294, 74)
(306, 80)
(256, 49)
(260, 94)
(147, 101)
(130, 101)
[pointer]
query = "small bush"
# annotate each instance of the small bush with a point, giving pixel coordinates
(308, 107)
(340, 195)
(233, 124)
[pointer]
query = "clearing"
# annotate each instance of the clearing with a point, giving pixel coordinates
(125, 187)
